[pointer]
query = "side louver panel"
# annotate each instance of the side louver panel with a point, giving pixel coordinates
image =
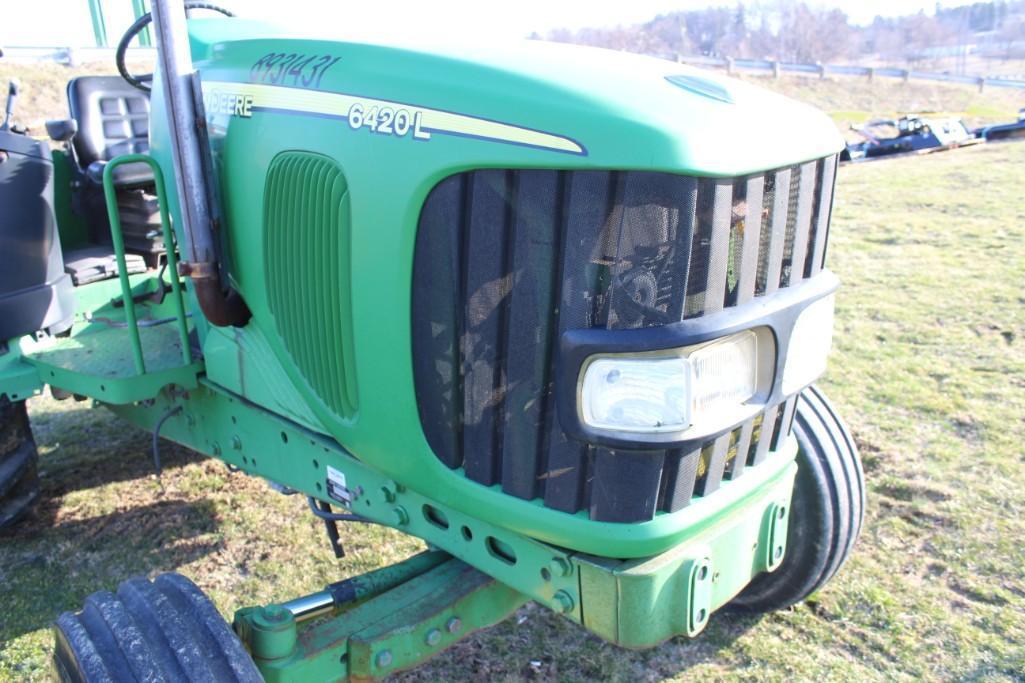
(306, 246)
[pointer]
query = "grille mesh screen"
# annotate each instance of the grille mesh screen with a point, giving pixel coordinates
(506, 261)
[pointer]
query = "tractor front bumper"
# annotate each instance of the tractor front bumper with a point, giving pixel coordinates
(640, 603)
(729, 538)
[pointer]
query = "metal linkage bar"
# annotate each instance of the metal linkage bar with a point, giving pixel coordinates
(351, 590)
(117, 236)
(388, 620)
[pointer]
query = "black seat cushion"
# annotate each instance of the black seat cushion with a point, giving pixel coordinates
(113, 119)
(125, 175)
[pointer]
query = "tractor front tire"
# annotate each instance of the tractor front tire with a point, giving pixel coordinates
(19, 477)
(827, 510)
(160, 630)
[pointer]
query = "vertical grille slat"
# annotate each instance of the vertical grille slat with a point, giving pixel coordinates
(765, 434)
(750, 238)
(586, 205)
(743, 447)
(682, 470)
(438, 288)
(507, 261)
(488, 284)
(687, 191)
(777, 233)
(700, 250)
(626, 485)
(530, 328)
(797, 241)
(784, 421)
(716, 462)
(825, 199)
(719, 248)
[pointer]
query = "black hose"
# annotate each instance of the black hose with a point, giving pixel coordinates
(156, 438)
(137, 26)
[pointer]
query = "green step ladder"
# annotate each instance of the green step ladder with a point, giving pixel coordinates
(96, 362)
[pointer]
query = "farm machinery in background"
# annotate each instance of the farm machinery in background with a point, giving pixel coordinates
(907, 135)
(915, 134)
(1003, 131)
(541, 306)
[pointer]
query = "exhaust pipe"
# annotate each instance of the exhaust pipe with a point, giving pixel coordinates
(193, 167)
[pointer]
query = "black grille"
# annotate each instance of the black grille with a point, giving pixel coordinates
(508, 260)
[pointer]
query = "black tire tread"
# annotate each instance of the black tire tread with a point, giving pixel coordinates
(827, 512)
(164, 630)
(19, 476)
(15, 465)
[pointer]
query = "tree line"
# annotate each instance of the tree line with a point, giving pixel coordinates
(798, 32)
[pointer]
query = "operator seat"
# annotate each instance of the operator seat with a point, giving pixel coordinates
(113, 119)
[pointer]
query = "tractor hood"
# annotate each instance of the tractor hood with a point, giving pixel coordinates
(326, 153)
(615, 109)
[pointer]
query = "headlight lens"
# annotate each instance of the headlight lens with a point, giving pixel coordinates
(636, 395)
(810, 342)
(724, 376)
(701, 384)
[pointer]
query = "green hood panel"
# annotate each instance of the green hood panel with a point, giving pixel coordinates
(534, 105)
(628, 111)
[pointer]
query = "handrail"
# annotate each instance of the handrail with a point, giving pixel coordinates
(170, 244)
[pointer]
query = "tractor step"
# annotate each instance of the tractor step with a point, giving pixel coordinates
(98, 363)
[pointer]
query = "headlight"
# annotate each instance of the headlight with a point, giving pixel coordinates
(636, 395)
(724, 376)
(703, 385)
(810, 342)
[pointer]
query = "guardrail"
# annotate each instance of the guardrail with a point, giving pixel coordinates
(823, 70)
(78, 55)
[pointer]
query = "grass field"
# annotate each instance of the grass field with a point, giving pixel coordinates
(928, 368)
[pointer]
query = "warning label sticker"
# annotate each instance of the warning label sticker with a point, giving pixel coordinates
(336, 486)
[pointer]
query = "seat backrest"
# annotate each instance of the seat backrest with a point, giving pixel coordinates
(112, 116)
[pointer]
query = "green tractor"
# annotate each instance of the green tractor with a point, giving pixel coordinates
(555, 311)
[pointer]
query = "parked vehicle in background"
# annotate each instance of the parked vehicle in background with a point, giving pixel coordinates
(1003, 131)
(908, 134)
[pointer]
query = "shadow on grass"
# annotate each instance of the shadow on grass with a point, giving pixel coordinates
(82, 448)
(44, 572)
(63, 472)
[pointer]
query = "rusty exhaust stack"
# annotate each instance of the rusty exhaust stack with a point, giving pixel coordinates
(193, 175)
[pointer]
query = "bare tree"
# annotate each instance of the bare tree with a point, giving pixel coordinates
(796, 31)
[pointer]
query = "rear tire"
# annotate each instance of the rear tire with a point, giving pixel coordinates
(160, 630)
(19, 476)
(828, 509)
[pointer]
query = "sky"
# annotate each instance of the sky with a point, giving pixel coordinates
(33, 23)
